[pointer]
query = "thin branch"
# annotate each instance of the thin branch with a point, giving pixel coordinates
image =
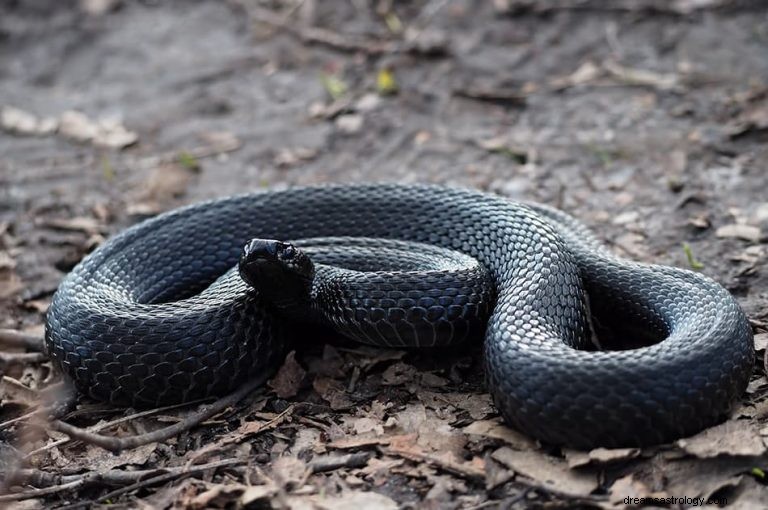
(314, 35)
(115, 444)
(171, 476)
(15, 338)
(106, 425)
(138, 479)
(9, 359)
(333, 462)
(36, 493)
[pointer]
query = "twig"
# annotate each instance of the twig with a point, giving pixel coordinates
(238, 436)
(137, 478)
(9, 359)
(314, 35)
(501, 96)
(14, 338)
(36, 493)
(118, 421)
(470, 473)
(116, 444)
(171, 476)
(333, 462)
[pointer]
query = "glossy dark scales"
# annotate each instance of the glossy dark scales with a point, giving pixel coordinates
(159, 313)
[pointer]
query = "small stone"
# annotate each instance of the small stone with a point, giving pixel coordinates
(349, 124)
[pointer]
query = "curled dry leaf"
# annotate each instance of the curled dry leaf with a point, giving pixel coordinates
(289, 471)
(761, 341)
(495, 429)
(15, 120)
(399, 373)
(287, 381)
(346, 501)
(99, 459)
(740, 231)
(627, 487)
(108, 133)
(600, 456)
(732, 438)
(333, 392)
(166, 182)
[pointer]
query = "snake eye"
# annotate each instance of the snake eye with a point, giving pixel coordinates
(288, 252)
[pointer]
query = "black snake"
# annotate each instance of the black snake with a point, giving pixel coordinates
(159, 314)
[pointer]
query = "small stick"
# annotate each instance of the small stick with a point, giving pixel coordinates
(333, 462)
(9, 359)
(36, 493)
(113, 476)
(102, 426)
(115, 444)
(15, 338)
(317, 35)
(171, 476)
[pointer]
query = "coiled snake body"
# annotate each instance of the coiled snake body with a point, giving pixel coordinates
(158, 315)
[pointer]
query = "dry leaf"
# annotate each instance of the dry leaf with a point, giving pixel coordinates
(167, 182)
(740, 231)
(732, 438)
(333, 392)
(99, 459)
(761, 341)
(289, 471)
(548, 471)
(353, 501)
(497, 430)
(15, 120)
(627, 487)
(399, 373)
(287, 381)
(599, 456)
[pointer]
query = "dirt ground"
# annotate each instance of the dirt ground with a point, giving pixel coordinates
(648, 120)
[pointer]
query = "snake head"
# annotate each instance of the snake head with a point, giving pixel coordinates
(278, 270)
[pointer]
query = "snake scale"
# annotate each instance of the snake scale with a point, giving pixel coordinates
(159, 313)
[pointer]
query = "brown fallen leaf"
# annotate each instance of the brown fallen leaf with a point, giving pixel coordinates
(108, 133)
(627, 488)
(98, 459)
(748, 495)
(733, 438)
(10, 283)
(754, 118)
(12, 390)
(761, 341)
(693, 477)
(289, 377)
(378, 471)
(399, 373)
(495, 429)
(15, 120)
(351, 500)
(166, 182)
(290, 472)
(550, 472)
(599, 456)
(740, 231)
(333, 392)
